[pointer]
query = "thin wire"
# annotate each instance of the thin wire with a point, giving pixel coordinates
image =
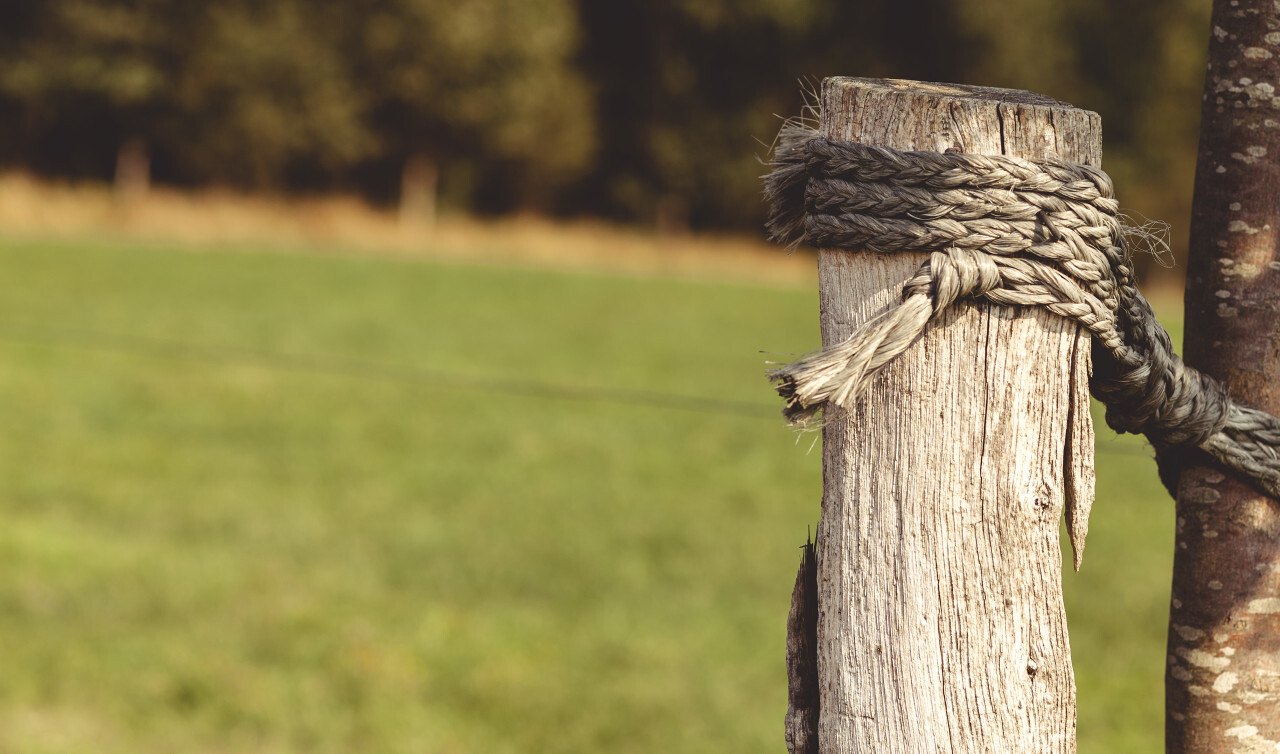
(69, 337)
(53, 335)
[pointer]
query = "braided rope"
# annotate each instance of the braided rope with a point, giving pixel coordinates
(1010, 231)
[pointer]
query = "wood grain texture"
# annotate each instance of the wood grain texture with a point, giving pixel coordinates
(802, 659)
(940, 622)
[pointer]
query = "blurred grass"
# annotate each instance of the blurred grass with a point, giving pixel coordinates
(264, 502)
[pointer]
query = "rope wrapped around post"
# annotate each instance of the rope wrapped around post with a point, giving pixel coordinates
(1013, 232)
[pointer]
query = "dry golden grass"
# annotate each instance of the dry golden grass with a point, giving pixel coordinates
(34, 207)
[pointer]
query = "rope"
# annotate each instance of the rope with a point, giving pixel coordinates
(1014, 232)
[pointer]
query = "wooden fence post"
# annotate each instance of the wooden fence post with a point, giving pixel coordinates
(940, 625)
(1222, 683)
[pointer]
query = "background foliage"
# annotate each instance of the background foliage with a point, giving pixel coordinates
(639, 110)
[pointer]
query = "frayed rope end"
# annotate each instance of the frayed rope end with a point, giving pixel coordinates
(786, 183)
(797, 413)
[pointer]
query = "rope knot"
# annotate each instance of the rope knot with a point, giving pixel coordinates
(1014, 232)
(960, 273)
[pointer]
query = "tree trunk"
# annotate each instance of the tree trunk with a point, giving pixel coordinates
(133, 170)
(1222, 684)
(940, 623)
(418, 192)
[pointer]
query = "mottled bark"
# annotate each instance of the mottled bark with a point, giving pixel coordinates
(1223, 678)
(940, 620)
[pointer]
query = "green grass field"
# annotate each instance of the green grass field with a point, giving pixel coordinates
(323, 503)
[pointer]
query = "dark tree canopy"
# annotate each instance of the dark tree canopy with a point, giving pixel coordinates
(638, 110)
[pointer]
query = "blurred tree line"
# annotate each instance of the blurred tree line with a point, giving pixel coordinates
(639, 110)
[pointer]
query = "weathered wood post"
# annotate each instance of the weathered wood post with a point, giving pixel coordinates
(1222, 688)
(939, 621)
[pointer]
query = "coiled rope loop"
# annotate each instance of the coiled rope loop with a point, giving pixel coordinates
(1014, 232)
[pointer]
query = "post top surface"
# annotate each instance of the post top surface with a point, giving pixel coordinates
(949, 91)
(917, 115)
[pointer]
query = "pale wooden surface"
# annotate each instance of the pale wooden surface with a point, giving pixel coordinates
(941, 626)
